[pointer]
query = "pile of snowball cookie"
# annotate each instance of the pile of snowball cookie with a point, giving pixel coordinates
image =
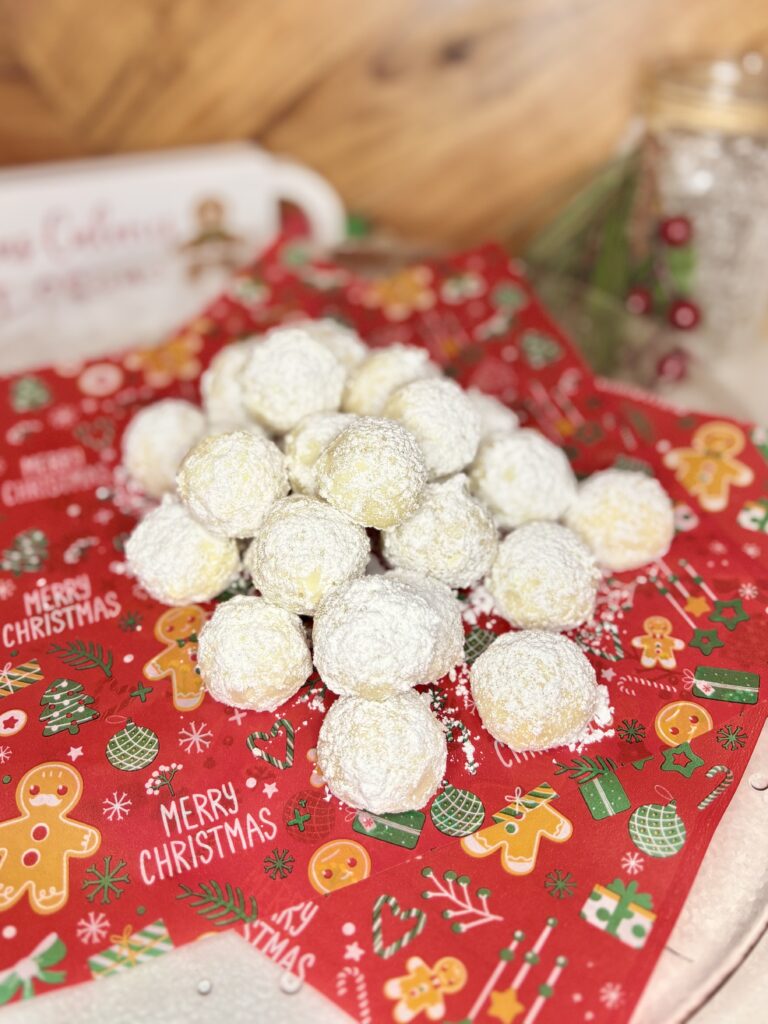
(307, 444)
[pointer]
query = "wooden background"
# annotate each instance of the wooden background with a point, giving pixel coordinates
(446, 120)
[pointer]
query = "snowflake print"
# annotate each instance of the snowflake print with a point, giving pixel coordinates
(130, 622)
(93, 928)
(752, 550)
(731, 737)
(63, 416)
(633, 863)
(278, 864)
(611, 995)
(195, 738)
(631, 731)
(560, 884)
(106, 881)
(5, 754)
(7, 589)
(747, 591)
(116, 807)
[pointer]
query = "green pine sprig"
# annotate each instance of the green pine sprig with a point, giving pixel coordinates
(585, 769)
(80, 656)
(221, 908)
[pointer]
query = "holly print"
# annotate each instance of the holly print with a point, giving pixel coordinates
(80, 655)
(220, 906)
(585, 769)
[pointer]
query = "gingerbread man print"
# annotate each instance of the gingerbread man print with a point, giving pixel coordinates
(709, 468)
(518, 830)
(178, 629)
(423, 988)
(657, 644)
(36, 846)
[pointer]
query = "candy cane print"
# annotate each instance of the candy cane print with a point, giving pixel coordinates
(385, 952)
(361, 991)
(628, 684)
(721, 787)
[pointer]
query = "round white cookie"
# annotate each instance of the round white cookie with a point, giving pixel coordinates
(386, 757)
(495, 417)
(375, 636)
(522, 476)
(229, 481)
(221, 386)
(544, 577)
(157, 439)
(451, 535)
(370, 384)
(534, 690)
(176, 559)
(252, 654)
(342, 342)
(302, 446)
(289, 375)
(374, 472)
(442, 419)
(625, 517)
(302, 550)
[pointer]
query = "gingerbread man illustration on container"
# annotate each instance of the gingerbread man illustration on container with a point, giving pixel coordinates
(178, 629)
(709, 468)
(36, 846)
(657, 644)
(518, 829)
(423, 988)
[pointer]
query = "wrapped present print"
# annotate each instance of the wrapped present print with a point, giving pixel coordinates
(622, 911)
(604, 796)
(398, 829)
(754, 515)
(18, 677)
(726, 684)
(131, 948)
(36, 967)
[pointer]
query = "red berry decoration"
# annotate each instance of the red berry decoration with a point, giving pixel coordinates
(638, 301)
(684, 315)
(676, 231)
(673, 366)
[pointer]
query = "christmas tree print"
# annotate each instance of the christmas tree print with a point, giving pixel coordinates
(29, 393)
(28, 553)
(66, 706)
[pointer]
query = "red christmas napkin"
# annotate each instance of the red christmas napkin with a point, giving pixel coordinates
(136, 814)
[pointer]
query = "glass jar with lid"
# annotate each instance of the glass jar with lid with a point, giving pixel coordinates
(702, 197)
